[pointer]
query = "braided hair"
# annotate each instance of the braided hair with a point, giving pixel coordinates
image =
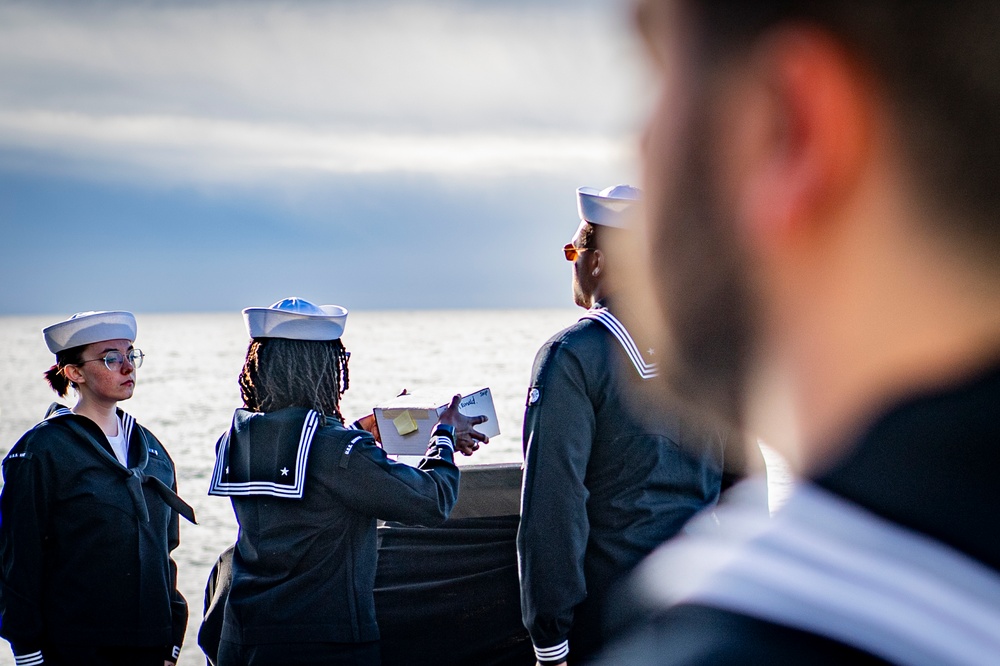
(281, 373)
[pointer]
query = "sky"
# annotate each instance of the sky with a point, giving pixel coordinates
(378, 154)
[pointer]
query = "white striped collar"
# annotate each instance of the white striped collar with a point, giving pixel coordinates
(126, 419)
(646, 369)
(128, 423)
(221, 485)
(830, 568)
(57, 412)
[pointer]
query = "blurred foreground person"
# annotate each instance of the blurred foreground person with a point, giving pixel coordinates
(90, 516)
(607, 475)
(823, 238)
(307, 492)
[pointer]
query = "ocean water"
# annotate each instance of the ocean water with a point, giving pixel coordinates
(187, 390)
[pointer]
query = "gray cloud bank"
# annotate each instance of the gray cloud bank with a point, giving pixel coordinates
(237, 89)
(434, 109)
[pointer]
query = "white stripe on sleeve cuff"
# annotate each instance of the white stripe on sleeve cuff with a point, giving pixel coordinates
(554, 653)
(30, 659)
(441, 440)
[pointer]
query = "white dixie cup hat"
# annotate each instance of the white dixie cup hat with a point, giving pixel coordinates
(85, 328)
(610, 207)
(296, 319)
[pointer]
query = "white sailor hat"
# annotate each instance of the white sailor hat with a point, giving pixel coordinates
(609, 207)
(296, 319)
(84, 328)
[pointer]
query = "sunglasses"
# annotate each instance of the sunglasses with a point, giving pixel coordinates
(572, 252)
(113, 359)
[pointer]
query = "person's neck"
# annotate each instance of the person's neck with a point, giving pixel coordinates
(892, 318)
(598, 295)
(102, 413)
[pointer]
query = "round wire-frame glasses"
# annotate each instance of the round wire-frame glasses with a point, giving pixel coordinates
(113, 359)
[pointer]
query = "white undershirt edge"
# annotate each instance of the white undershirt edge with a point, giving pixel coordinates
(119, 444)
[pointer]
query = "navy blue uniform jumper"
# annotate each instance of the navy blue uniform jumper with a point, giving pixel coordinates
(925, 469)
(307, 492)
(85, 542)
(606, 480)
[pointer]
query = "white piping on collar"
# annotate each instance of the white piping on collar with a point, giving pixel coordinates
(601, 314)
(62, 411)
(289, 490)
(127, 420)
(128, 423)
(831, 568)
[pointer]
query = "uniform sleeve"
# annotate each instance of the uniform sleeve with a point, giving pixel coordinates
(24, 505)
(178, 604)
(559, 426)
(377, 486)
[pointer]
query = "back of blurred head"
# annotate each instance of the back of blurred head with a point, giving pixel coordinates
(820, 183)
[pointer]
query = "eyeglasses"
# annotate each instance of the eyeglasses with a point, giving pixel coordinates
(113, 359)
(572, 251)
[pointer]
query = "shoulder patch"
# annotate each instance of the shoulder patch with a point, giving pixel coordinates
(534, 395)
(20, 455)
(346, 456)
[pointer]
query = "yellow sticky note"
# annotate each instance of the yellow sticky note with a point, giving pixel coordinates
(404, 423)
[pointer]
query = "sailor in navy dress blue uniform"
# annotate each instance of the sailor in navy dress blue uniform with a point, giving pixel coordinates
(606, 480)
(307, 492)
(824, 244)
(859, 566)
(89, 519)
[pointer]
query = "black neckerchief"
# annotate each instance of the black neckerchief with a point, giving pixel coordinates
(135, 476)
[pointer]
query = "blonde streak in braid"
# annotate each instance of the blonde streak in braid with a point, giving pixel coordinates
(247, 389)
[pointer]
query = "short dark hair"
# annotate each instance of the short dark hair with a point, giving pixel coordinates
(939, 63)
(598, 236)
(281, 373)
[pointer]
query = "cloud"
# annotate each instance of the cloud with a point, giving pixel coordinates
(186, 149)
(230, 90)
(205, 154)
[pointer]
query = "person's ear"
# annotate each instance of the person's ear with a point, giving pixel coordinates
(800, 130)
(597, 263)
(74, 374)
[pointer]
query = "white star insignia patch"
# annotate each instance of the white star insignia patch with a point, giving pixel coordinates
(284, 471)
